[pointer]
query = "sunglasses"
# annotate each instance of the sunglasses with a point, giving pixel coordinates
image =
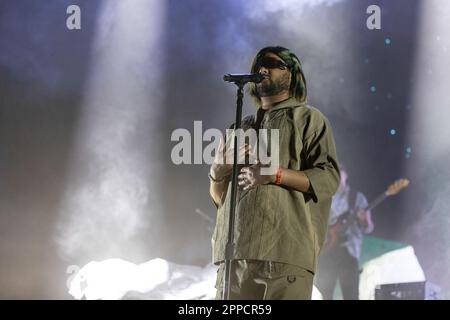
(270, 63)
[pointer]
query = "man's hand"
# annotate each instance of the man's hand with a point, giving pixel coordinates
(223, 161)
(364, 220)
(251, 177)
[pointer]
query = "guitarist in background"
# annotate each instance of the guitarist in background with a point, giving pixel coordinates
(340, 260)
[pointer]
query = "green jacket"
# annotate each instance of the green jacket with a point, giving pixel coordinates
(277, 223)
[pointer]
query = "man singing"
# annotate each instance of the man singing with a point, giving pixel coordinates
(280, 219)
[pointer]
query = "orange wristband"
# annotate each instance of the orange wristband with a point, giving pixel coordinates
(278, 176)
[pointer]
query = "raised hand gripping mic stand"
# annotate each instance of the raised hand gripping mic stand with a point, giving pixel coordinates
(240, 80)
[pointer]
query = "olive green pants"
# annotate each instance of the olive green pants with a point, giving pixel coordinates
(265, 280)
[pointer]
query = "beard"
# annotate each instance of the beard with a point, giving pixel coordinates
(268, 87)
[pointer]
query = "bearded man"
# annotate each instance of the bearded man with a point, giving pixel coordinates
(281, 219)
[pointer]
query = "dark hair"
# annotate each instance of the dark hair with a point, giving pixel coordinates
(297, 88)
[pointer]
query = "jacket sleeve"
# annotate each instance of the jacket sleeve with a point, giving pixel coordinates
(322, 168)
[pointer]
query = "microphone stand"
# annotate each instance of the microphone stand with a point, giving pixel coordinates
(229, 249)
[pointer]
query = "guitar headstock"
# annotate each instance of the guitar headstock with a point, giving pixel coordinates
(395, 188)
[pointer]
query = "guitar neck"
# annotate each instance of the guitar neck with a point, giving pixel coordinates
(349, 216)
(377, 201)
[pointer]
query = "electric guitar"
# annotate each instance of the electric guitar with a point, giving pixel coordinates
(335, 233)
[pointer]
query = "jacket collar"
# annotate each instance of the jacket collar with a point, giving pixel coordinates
(288, 103)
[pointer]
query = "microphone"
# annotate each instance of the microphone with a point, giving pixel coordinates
(243, 78)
